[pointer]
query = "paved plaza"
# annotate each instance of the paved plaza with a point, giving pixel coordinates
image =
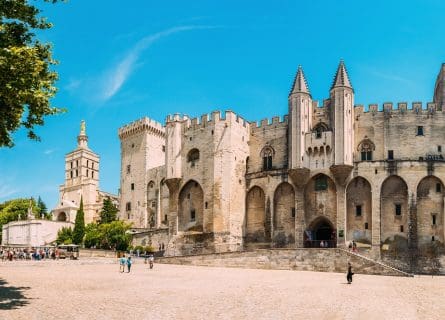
(94, 289)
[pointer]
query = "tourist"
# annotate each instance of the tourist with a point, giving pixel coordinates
(129, 264)
(349, 274)
(354, 246)
(122, 262)
(151, 259)
(350, 246)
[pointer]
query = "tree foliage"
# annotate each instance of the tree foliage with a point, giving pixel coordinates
(42, 209)
(65, 236)
(79, 225)
(11, 210)
(111, 235)
(109, 211)
(26, 76)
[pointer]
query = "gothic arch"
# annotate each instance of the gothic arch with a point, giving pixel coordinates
(359, 210)
(394, 209)
(320, 198)
(255, 215)
(320, 229)
(284, 213)
(191, 207)
(430, 207)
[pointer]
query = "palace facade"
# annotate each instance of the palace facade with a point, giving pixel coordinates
(333, 172)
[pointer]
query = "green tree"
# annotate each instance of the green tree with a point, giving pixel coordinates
(26, 76)
(109, 211)
(93, 235)
(115, 235)
(65, 235)
(42, 208)
(11, 210)
(79, 225)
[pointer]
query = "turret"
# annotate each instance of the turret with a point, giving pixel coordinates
(300, 118)
(174, 146)
(342, 116)
(439, 89)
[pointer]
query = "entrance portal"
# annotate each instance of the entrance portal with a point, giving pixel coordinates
(320, 234)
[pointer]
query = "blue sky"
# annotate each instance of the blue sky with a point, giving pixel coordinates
(120, 61)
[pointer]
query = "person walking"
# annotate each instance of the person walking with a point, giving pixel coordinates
(129, 264)
(349, 274)
(151, 259)
(122, 262)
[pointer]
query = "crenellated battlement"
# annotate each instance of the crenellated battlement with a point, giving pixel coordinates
(265, 124)
(388, 108)
(141, 125)
(207, 120)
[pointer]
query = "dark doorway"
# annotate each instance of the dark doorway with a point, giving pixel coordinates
(320, 234)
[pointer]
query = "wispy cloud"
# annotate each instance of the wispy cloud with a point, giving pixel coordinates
(73, 84)
(48, 151)
(6, 191)
(116, 76)
(389, 76)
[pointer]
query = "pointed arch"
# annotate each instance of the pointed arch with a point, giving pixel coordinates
(359, 210)
(191, 207)
(255, 215)
(394, 209)
(430, 207)
(284, 213)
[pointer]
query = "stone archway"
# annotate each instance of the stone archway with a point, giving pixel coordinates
(320, 199)
(191, 207)
(284, 214)
(394, 211)
(359, 210)
(320, 230)
(430, 206)
(255, 215)
(62, 217)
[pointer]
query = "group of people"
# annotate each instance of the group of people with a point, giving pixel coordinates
(353, 246)
(324, 244)
(11, 254)
(127, 262)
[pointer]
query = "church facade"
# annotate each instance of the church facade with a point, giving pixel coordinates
(323, 175)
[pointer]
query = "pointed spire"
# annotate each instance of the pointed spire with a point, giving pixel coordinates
(300, 84)
(439, 88)
(341, 77)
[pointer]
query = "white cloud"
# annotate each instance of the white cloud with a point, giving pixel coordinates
(49, 151)
(116, 77)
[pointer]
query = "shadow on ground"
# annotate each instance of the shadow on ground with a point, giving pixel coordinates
(12, 297)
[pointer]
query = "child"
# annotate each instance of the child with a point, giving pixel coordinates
(122, 262)
(129, 264)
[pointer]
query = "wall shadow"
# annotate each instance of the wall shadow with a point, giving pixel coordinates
(12, 297)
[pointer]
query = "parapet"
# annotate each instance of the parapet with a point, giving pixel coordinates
(265, 124)
(143, 124)
(207, 120)
(387, 108)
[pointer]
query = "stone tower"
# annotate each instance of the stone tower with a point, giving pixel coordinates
(439, 89)
(81, 179)
(142, 149)
(300, 119)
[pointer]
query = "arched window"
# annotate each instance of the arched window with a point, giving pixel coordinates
(267, 154)
(193, 156)
(319, 129)
(366, 147)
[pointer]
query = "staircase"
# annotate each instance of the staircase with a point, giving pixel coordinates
(301, 259)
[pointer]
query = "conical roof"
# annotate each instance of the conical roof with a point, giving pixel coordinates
(300, 84)
(341, 77)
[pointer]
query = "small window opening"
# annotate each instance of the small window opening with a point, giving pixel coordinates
(87, 173)
(128, 206)
(132, 186)
(206, 204)
(71, 173)
(358, 211)
(398, 208)
(390, 154)
(420, 130)
(401, 228)
(438, 187)
(165, 218)
(267, 159)
(432, 238)
(153, 204)
(366, 226)
(376, 171)
(163, 148)
(293, 212)
(439, 148)
(128, 168)
(191, 138)
(321, 183)
(434, 219)
(192, 215)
